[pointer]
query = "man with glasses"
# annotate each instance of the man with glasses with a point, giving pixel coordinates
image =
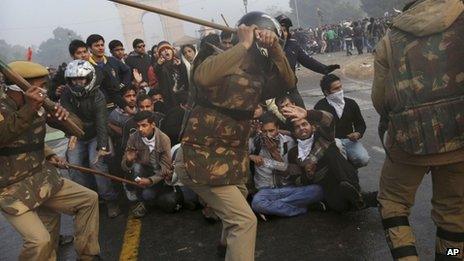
(139, 59)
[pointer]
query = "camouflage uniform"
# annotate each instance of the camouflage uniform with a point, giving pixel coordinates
(215, 142)
(419, 88)
(32, 194)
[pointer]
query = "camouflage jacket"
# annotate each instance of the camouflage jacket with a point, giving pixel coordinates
(26, 179)
(215, 145)
(419, 79)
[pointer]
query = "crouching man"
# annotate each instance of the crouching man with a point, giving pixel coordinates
(278, 194)
(148, 159)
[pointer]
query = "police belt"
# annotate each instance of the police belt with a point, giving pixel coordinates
(11, 151)
(236, 114)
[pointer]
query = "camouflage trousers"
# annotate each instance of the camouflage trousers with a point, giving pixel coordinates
(398, 186)
(229, 203)
(40, 228)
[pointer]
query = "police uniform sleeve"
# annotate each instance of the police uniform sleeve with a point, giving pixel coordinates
(381, 71)
(13, 125)
(212, 70)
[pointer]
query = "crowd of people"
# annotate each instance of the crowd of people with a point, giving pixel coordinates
(346, 36)
(219, 126)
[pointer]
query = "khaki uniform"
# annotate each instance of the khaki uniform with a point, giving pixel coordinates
(419, 64)
(215, 161)
(32, 194)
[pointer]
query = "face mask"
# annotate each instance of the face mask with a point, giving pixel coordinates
(337, 97)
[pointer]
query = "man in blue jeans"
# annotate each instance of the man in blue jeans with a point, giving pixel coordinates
(278, 194)
(349, 122)
(83, 98)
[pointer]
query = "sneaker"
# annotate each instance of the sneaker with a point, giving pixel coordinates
(139, 210)
(113, 209)
(370, 199)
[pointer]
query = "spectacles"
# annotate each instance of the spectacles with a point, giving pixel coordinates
(141, 46)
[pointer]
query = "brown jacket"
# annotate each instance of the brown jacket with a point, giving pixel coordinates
(425, 18)
(215, 144)
(159, 159)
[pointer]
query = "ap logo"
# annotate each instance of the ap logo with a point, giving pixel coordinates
(452, 252)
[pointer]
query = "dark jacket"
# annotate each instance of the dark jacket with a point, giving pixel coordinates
(172, 124)
(351, 121)
(295, 54)
(92, 111)
(140, 62)
(171, 79)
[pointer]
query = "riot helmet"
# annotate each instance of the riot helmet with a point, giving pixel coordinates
(284, 21)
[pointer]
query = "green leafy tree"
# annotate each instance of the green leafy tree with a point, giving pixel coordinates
(315, 12)
(54, 51)
(376, 8)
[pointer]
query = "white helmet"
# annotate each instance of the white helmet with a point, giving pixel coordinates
(81, 69)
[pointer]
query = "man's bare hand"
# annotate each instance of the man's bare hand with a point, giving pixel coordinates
(60, 112)
(294, 112)
(131, 155)
(35, 97)
(58, 162)
(258, 160)
(144, 182)
(266, 38)
(246, 35)
(355, 136)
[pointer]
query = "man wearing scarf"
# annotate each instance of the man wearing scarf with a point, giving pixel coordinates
(278, 194)
(349, 122)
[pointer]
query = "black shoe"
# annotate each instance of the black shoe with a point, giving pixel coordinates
(221, 250)
(370, 199)
(318, 206)
(65, 240)
(351, 194)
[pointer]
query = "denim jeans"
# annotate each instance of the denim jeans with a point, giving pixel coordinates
(355, 152)
(87, 150)
(286, 201)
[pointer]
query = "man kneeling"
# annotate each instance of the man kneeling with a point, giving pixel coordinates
(278, 194)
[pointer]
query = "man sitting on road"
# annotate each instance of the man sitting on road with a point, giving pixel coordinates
(278, 194)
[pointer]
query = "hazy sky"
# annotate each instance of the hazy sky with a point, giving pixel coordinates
(29, 22)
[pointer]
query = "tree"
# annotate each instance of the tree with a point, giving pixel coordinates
(54, 51)
(332, 11)
(376, 8)
(9, 53)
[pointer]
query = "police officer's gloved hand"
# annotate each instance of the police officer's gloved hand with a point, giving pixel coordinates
(331, 68)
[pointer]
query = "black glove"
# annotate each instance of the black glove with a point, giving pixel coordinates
(331, 68)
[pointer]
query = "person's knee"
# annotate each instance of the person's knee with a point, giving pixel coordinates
(148, 194)
(40, 241)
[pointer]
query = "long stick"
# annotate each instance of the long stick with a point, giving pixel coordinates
(174, 15)
(72, 124)
(225, 21)
(103, 174)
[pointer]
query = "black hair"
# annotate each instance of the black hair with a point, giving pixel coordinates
(153, 48)
(128, 88)
(155, 91)
(144, 115)
(281, 99)
(136, 42)
(113, 44)
(326, 81)
(206, 49)
(226, 35)
(141, 97)
(269, 117)
(187, 46)
(93, 38)
(74, 45)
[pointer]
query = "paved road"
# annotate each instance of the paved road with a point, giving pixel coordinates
(315, 236)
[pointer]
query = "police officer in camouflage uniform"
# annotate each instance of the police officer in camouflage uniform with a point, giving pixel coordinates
(419, 93)
(32, 194)
(213, 160)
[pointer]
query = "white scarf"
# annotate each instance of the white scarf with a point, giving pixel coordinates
(304, 147)
(337, 101)
(150, 142)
